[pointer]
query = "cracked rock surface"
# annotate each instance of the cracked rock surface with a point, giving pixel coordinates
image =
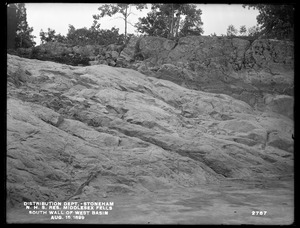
(136, 132)
(84, 133)
(248, 71)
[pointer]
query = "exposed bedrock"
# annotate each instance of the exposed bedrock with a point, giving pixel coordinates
(90, 132)
(246, 70)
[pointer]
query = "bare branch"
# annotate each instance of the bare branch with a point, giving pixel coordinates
(130, 23)
(131, 13)
(118, 18)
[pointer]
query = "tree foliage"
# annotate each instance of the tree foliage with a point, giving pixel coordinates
(93, 35)
(192, 24)
(84, 36)
(24, 38)
(231, 31)
(275, 21)
(171, 20)
(112, 9)
(254, 31)
(243, 30)
(155, 24)
(81, 36)
(51, 36)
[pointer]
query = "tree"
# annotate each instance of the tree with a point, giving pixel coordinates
(275, 21)
(112, 9)
(254, 31)
(243, 30)
(93, 36)
(11, 26)
(24, 38)
(50, 36)
(171, 21)
(155, 24)
(231, 30)
(192, 24)
(78, 36)
(47, 36)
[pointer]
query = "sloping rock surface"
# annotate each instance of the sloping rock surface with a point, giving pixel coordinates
(246, 69)
(90, 132)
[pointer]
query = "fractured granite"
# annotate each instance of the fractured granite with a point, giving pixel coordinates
(88, 132)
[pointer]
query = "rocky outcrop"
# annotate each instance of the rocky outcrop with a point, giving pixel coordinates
(246, 70)
(84, 133)
(75, 55)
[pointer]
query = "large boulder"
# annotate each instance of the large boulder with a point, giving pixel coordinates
(128, 53)
(281, 104)
(87, 50)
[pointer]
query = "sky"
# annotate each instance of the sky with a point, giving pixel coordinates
(58, 16)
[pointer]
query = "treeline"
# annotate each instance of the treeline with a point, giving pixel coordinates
(253, 31)
(171, 21)
(164, 20)
(84, 36)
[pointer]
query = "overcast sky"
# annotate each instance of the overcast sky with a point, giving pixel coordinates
(58, 16)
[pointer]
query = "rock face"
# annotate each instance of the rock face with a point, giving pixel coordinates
(88, 132)
(246, 70)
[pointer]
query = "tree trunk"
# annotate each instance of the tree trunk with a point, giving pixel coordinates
(177, 24)
(126, 22)
(11, 27)
(21, 41)
(172, 22)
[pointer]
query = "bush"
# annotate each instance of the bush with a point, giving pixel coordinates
(92, 36)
